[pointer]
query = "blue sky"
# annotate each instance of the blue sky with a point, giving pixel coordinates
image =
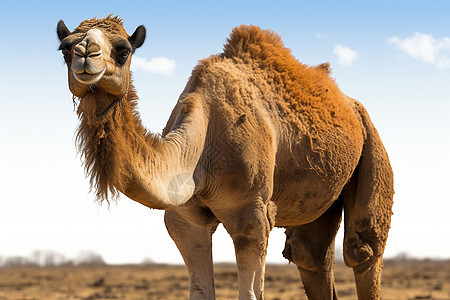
(391, 55)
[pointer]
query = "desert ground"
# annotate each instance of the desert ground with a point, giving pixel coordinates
(411, 279)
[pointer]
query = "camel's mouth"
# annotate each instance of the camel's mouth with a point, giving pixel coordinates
(87, 78)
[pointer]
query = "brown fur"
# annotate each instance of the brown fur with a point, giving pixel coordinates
(256, 140)
(111, 24)
(310, 93)
(305, 97)
(103, 146)
(104, 136)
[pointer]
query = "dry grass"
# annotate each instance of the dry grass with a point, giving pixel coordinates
(401, 280)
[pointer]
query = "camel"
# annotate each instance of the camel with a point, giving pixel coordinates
(256, 140)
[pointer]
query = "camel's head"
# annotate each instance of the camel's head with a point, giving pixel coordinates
(98, 55)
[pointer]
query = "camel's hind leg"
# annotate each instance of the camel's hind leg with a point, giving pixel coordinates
(311, 248)
(367, 213)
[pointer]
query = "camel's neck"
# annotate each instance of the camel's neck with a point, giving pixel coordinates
(119, 154)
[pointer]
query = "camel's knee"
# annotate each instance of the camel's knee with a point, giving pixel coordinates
(250, 228)
(363, 241)
(302, 252)
(291, 252)
(256, 218)
(356, 252)
(311, 246)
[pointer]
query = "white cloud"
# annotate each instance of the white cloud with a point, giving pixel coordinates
(346, 56)
(321, 36)
(426, 48)
(157, 65)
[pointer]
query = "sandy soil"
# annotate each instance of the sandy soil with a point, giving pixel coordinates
(401, 280)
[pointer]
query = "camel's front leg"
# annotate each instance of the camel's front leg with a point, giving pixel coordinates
(191, 228)
(249, 228)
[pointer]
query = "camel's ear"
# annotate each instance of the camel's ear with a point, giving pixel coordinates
(62, 30)
(138, 37)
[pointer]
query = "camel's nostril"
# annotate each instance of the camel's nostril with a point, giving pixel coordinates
(80, 51)
(95, 54)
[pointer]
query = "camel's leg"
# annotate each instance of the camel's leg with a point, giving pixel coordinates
(365, 239)
(311, 248)
(249, 227)
(191, 228)
(367, 214)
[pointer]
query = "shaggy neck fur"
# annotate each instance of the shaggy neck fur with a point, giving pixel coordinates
(109, 138)
(120, 155)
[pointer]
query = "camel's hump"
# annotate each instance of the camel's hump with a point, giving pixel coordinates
(249, 39)
(251, 43)
(309, 91)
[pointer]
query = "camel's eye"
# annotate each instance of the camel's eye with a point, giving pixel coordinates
(123, 50)
(65, 48)
(122, 54)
